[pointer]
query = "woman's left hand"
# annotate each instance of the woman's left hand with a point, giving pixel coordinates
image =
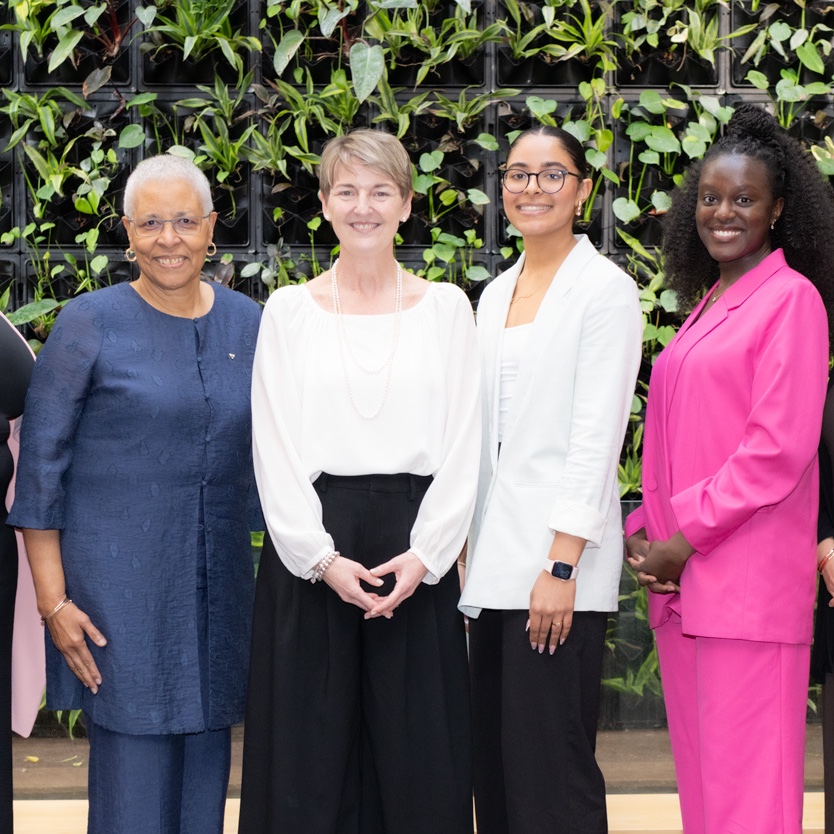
(551, 611)
(667, 559)
(408, 571)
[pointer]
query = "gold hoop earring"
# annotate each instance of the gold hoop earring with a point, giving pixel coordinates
(579, 209)
(211, 251)
(130, 254)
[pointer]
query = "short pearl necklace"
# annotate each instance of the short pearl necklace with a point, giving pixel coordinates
(344, 344)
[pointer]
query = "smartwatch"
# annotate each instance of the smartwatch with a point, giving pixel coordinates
(561, 570)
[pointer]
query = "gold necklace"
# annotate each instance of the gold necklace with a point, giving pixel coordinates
(524, 295)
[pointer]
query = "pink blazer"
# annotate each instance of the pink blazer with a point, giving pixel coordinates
(28, 663)
(729, 458)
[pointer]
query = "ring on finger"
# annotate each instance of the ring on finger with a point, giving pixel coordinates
(557, 625)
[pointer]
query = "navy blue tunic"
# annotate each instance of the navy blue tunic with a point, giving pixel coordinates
(136, 445)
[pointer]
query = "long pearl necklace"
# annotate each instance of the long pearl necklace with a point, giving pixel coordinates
(345, 349)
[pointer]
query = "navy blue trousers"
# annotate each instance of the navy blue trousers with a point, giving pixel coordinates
(170, 784)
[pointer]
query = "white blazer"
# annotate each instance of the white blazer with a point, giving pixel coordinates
(558, 464)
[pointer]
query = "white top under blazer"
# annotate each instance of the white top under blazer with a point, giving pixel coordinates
(561, 446)
(304, 423)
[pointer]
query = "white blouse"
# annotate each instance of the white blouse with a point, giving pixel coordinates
(512, 348)
(304, 422)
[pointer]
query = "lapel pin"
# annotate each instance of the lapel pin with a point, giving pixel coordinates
(231, 356)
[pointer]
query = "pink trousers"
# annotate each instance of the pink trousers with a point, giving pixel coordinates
(736, 712)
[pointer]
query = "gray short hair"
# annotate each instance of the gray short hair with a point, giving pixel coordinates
(376, 149)
(166, 166)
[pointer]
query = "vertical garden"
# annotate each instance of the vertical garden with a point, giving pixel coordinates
(251, 89)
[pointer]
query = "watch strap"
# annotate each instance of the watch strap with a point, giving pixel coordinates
(561, 570)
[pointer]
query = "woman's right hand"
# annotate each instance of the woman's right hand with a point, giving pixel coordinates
(344, 577)
(68, 629)
(637, 549)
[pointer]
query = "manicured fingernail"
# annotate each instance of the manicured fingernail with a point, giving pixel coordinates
(553, 650)
(527, 627)
(561, 641)
(533, 646)
(541, 648)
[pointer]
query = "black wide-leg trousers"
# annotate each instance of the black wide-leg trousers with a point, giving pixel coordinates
(534, 723)
(357, 726)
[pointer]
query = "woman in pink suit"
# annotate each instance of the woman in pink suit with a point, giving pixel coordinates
(726, 536)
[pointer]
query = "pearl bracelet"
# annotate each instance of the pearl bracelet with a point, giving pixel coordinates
(323, 565)
(64, 602)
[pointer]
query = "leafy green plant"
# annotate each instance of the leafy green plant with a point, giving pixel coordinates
(70, 27)
(452, 258)
(465, 110)
(656, 146)
(278, 268)
(636, 646)
(584, 35)
(197, 28)
(390, 110)
(808, 47)
(441, 197)
(789, 97)
(333, 109)
(700, 32)
(410, 35)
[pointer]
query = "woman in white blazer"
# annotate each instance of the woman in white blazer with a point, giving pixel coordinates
(560, 335)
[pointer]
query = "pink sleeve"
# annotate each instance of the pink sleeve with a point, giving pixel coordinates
(635, 521)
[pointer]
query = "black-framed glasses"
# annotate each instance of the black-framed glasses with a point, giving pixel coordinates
(188, 224)
(550, 180)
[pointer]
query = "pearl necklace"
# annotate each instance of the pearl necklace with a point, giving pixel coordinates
(344, 344)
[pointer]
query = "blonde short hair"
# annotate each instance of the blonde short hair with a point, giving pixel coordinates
(376, 149)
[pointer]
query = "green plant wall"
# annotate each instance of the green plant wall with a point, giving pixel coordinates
(251, 89)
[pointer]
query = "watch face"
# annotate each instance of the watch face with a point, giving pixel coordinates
(561, 570)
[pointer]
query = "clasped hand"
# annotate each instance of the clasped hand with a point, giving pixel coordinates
(658, 564)
(345, 577)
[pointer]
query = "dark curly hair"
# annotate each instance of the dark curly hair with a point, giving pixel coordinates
(805, 229)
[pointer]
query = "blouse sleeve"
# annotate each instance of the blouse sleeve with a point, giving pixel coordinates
(291, 507)
(782, 431)
(446, 509)
(60, 381)
(606, 370)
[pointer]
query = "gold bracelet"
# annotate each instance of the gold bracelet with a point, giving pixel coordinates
(462, 564)
(64, 602)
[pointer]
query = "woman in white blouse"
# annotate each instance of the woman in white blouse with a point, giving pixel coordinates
(366, 415)
(560, 336)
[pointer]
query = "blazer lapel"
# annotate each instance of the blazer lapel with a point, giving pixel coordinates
(569, 273)
(694, 329)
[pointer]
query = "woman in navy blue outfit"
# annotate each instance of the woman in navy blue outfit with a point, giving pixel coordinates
(136, 496)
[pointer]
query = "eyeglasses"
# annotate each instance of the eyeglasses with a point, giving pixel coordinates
(550, 180)
(153, 226)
